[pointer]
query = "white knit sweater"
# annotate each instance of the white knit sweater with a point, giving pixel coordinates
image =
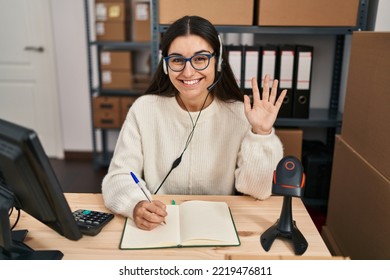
(223, 155)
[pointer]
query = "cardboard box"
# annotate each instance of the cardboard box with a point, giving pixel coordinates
(116, 60)
(141, 26)
(111, 31)
(367, 104)
(358, 209)
(218, 12)
(126, 103)
(330, 242)
(291, 140)
(115, 79)
(141, 81)
(106, 112)
(307, 12)
(111, 11)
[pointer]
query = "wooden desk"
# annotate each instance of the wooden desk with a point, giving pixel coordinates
(252, 218)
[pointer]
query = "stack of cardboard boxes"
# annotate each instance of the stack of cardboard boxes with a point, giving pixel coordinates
(264, 12)
(112, 18)
(116, 70)
(119, 21)
(112, 24)
(358, 211)
(140, 21)
(122, 20)
(111, 111)
(306, 13)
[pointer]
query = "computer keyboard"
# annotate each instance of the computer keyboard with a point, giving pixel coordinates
(91, 222)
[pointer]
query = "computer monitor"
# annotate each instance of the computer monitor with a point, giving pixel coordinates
(28, 183)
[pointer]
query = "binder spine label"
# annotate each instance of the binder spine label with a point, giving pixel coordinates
(235, 64)
(268, 67)
(303, 78)
(286, 70)
(251, 67)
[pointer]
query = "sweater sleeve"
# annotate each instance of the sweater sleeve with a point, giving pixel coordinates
(256, 162)
(120, 193)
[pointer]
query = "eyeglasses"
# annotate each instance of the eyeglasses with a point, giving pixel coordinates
(198, 61)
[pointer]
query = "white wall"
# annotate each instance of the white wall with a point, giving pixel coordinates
(72, 73)
(383, 16)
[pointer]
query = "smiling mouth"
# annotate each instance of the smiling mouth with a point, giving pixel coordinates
(191, 82)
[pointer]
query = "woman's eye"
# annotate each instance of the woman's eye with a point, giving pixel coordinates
(177, 60)
(200, 58)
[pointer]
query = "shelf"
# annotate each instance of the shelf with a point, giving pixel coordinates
(317, 118)
(121, 45)
(327, 118)
(119, 92)
(279, 30)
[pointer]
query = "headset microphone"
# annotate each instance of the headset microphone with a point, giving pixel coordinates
(212, 86)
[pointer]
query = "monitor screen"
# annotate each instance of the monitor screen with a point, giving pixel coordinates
(28, 183)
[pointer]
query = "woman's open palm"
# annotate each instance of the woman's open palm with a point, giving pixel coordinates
(262, 114)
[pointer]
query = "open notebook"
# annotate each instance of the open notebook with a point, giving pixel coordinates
(192, 223)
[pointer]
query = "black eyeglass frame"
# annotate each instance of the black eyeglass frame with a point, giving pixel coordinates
(208, 55)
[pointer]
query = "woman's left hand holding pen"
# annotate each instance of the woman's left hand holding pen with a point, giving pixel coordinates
(148, 215)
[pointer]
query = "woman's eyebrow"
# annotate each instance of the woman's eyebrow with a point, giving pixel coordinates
(198, 52)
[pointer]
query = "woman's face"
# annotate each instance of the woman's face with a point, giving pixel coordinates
(191, 83)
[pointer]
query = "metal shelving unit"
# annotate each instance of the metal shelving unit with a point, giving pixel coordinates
(327, 118)
(330, 118)
(103, 157)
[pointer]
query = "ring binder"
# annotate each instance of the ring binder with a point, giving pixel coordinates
(302, 81)
(286, 79)
(235, 57)
(251, 66)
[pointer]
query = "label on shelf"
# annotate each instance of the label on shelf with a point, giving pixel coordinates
(141, 11)
(251, 67)
(101, 11)
(106, 77)
(105, 58)
(303, 80)
(286, 69)
(100, 30)
(114, 12)
(268, 67)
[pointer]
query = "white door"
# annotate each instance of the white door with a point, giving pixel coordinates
(28, 90)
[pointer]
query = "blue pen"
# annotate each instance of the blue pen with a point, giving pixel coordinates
(139, 185)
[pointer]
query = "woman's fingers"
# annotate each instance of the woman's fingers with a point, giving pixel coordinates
(148, 215)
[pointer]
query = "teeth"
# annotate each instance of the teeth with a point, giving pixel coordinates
(191, 82)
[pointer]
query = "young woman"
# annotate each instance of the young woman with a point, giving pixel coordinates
(193, 132)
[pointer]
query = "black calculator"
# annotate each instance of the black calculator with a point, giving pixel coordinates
(91, 222)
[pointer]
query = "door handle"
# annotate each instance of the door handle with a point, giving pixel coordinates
(35, 49)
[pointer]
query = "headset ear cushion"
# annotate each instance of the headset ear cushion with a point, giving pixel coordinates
(219, 66)
(165, 68)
